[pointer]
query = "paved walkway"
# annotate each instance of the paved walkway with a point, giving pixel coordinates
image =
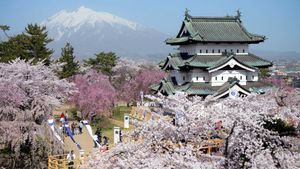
(84, 140)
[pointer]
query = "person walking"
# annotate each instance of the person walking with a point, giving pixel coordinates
(62, 118)
(80, 127)
(71, 157)
(105, 142)
(95, 137)
(73, 128)
(99, 134)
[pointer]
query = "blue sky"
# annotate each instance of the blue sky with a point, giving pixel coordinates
(279, 20)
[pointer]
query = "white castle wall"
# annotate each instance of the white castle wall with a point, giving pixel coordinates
(217, 78)
(214, 48)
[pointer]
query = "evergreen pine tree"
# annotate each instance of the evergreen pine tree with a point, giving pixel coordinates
(31, 44)
(104, 62)
(71, 66)
(37, 37)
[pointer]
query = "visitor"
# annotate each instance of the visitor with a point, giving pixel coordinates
(73, 128)
(99, 134)
(95, 137)
(105, 142)
(80, 127)
(121, 136)
(66, 116)
(71, 157)
(62, 118)
(76, 130)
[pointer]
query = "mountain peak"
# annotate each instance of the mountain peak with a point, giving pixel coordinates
(83, 16)
(84, 9)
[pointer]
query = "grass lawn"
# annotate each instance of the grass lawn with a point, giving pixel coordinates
(117, 120)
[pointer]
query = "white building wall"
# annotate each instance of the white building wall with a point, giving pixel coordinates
(198, 75)
(219, 77)
(214, 48)
(181, 77)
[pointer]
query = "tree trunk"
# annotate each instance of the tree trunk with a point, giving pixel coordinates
(226, 145)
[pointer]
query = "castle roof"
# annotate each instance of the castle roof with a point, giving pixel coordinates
(228, 29)
(209, 62)
(167, 87)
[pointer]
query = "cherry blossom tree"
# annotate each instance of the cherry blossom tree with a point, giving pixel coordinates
(140, 82)
(247, 142)
(95, 96)
(28, 95)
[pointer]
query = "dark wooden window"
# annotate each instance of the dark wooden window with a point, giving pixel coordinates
(222, 77)
(206, 51)
(243, 50)
(197, 78)
(213, 51)
(237, 51)
(216, 78)
(241, 77)
(219, 51)
(204, 78)
(200, 51)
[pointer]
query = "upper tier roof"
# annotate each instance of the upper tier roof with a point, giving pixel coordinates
(228, 29)
(182, 60)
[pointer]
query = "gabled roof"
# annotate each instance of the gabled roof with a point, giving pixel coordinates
(225, 88)
(211, 61)
(214, 29)
(165, 87)
(231, 61)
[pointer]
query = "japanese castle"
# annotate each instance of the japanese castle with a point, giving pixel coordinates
(213, 59)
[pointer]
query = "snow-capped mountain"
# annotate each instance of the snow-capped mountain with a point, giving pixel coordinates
(91, 32)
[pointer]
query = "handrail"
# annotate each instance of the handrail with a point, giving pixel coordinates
(60, 162)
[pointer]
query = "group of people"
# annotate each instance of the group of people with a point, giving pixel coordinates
(75, 128)
(98, 139)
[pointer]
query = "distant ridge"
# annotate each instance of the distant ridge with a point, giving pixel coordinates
(91, 32)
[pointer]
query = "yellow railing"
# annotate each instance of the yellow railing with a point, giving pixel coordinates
(61, 162)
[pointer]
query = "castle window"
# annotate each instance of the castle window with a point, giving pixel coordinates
(243, 50)
(216, 78)
(246, 77)
(225, 50)
(252, 77)
(231, 50)
(204, 78)
(183, 78)
(219, 51)
(213, 51)
(237, 51)
(206, 51)
(241, 77)
(200, 51)
(197, 78)
(222, 77)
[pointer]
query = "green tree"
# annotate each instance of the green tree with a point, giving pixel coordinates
(263, 73)
(71, 66)
(37, 37)
(5, 28)
(31, 44)
(104, 62)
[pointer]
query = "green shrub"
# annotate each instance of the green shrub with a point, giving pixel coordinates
(281, 127)
(102, 122)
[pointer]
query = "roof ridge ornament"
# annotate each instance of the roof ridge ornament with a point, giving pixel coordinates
(187, 15)
(238, 15)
